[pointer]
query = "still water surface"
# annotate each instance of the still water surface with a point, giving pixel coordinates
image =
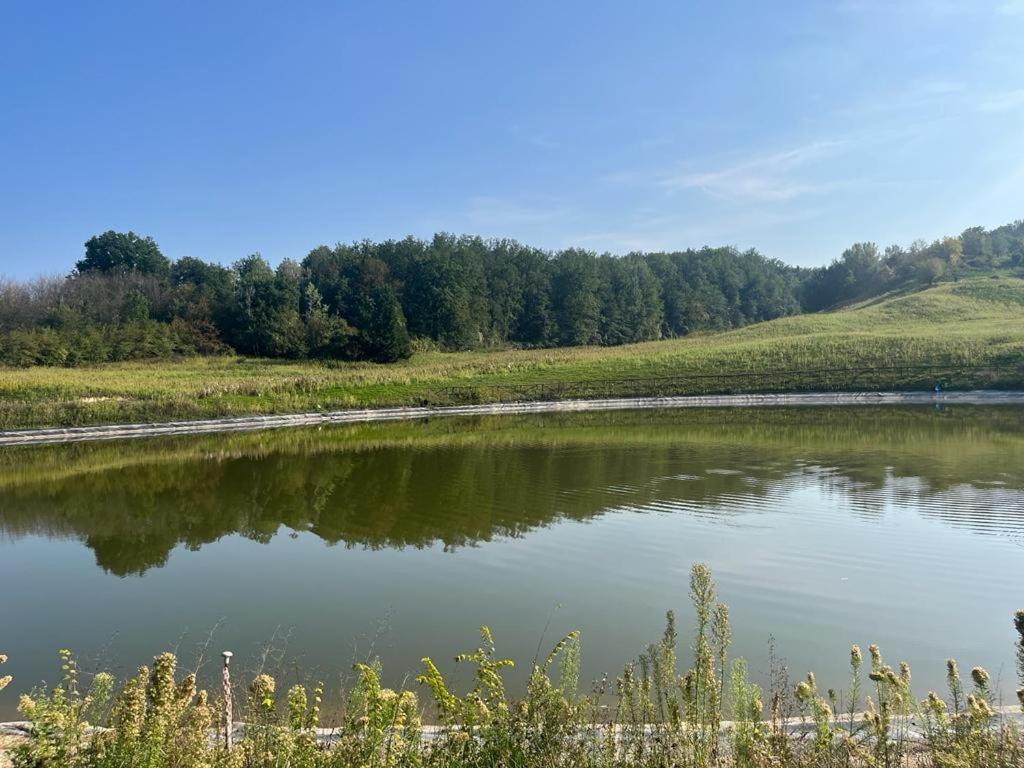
(823, 527)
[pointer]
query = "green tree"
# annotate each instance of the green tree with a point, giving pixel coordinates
(574, 290)
(673, 293)
(119, 252)
(858, 273)
(327, 334)
(136, 307)
(202, 295)
(950, 251)
(977, 247)
(383, 336)
(325, 268)
(445, 294)
(631, 308)
(535, 323)
(266, 319)
(504, 288)
(930, 270)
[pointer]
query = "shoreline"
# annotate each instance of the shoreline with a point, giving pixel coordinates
(55, 435)
(912, 726)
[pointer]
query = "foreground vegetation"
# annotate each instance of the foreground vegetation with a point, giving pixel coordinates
(652, 715)
(968, 334)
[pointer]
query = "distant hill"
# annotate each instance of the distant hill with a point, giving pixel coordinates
(958, 329)
(964, 306)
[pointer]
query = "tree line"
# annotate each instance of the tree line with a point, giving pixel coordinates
(864, 270)
(378, 301)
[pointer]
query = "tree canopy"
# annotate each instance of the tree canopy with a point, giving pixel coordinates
(122, 252)
(376, 301)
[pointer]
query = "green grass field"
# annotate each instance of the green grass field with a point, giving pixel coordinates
(968, 335)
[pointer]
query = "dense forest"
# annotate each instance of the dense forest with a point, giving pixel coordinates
(378, 301)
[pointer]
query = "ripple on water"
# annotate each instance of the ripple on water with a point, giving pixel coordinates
(821, 528)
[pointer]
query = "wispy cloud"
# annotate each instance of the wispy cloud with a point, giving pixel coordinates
(1011, 8)
(940, 87)
(538, 139)
(617, 241)
(528, 217)
(1002, 102)
(676, 229)
(919, 102)
(734, 184)
(911, 7)
(773, 177)
(489, 211)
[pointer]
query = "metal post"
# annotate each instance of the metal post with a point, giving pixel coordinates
(228, 715)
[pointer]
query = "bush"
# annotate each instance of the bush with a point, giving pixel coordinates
(85, 345)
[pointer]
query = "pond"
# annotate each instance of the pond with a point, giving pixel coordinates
(304, 550)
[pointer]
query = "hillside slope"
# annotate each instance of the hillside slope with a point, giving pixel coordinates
(966, 335)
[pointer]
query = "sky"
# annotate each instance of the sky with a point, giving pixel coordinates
(227, 128)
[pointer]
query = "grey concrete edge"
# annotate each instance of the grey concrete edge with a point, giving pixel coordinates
(910, 727)
(362, 415)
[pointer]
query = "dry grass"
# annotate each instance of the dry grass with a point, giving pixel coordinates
(8, 743)
(973, 332)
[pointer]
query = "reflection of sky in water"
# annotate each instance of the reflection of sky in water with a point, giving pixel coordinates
(815, 551)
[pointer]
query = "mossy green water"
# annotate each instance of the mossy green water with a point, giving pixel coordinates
(809, 514)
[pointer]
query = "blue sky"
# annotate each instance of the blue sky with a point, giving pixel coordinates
(225, 128)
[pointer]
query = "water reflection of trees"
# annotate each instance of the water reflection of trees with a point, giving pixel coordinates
(461, 482)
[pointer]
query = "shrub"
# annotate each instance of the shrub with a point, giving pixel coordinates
(662, 717)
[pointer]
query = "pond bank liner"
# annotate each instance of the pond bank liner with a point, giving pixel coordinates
(363, 415)
(909, 727)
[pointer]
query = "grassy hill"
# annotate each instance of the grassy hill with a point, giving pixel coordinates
(967, 334)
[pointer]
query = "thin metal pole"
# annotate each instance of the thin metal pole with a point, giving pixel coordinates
(228, 715)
